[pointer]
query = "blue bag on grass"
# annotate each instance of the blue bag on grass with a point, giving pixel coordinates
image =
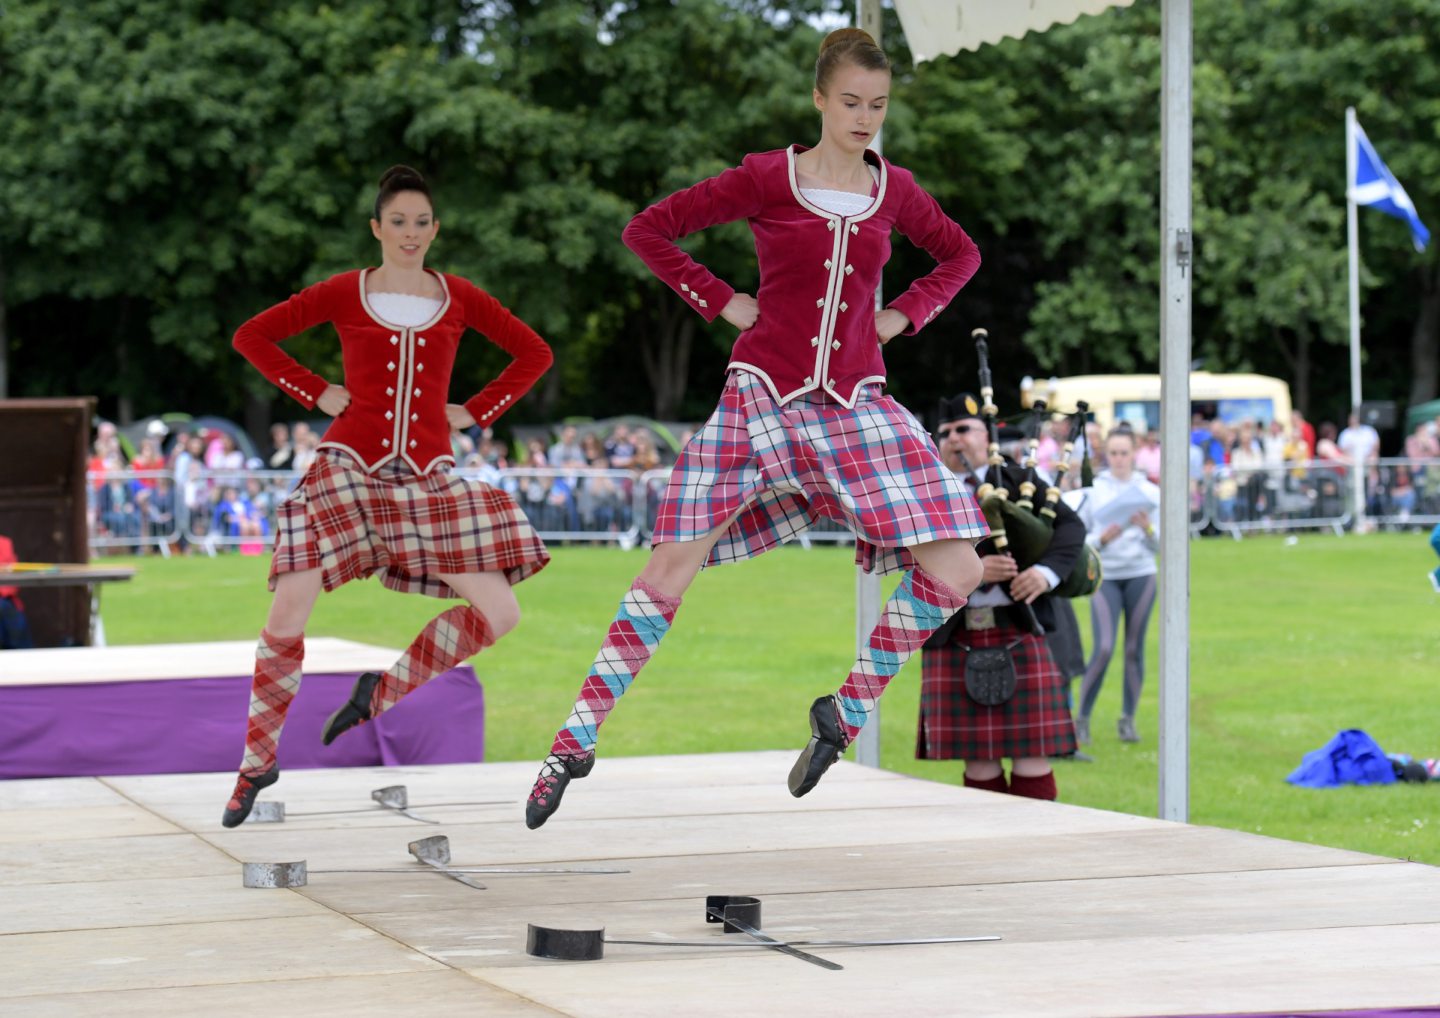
(1352, 757)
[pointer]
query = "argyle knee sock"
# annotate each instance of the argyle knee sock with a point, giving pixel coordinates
(1033, 786)
(995, 784)
(643, 620)
(919, 606)
(448, 639)
(277, 679)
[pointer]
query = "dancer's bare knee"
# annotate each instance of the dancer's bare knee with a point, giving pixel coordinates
(503, 617)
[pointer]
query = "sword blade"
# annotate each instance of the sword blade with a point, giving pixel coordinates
(771, 942)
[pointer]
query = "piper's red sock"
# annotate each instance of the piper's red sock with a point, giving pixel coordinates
(1032, 787)
(995, 784)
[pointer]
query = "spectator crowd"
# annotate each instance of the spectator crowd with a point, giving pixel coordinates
(196, 486)
(1275, 472)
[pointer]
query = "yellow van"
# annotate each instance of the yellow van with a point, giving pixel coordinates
(1136, 398)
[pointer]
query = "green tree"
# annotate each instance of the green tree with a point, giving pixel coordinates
(1073, 119)
(202, 160)
(169, 169)
(172, 168)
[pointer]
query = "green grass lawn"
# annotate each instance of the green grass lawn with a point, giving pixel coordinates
(1289, 643)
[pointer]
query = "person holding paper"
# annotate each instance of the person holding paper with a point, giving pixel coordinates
(1121, 522)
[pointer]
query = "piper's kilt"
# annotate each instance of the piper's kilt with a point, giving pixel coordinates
(407, 527)
(1034, 722)
(873, 469)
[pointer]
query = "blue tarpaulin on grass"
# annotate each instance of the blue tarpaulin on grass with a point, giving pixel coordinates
(1351, 758)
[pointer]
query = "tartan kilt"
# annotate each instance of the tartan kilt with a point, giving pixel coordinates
(407, 527)
(775, 470)
(1034, 722)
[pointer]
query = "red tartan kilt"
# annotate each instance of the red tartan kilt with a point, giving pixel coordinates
(1034, 722)
(774, 470)
(408, 528)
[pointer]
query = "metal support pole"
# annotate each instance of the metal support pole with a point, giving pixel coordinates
(1175, 267)
(867, 585)
(1352, 236)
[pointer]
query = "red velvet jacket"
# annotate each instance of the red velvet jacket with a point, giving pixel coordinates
(818, 270)
(398, 377)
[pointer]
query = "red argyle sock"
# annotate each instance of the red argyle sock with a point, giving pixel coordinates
(450, 638)
(277, 679)
(919, 606)
(1041, 787)
(643, 620)
(995, 784)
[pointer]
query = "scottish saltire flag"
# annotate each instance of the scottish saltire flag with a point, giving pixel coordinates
(1376, 186)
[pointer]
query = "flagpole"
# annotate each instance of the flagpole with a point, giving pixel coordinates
(1352, 230)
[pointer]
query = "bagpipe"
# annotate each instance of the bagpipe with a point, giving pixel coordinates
(1020, 528)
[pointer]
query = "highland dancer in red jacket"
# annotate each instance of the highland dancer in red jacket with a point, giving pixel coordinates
(379, 497)
(803, 430)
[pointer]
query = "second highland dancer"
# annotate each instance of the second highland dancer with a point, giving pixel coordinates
(379, 498)
(803, 429)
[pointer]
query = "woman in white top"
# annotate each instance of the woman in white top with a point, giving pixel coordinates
(1127, 555)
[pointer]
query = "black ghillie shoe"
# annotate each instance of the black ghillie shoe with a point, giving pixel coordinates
(247, 787)
(555, 774)
(827, 742)
(353, 711)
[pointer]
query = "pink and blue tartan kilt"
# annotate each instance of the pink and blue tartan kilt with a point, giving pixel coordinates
(1034, 722)
(777, 469)
(407, 527)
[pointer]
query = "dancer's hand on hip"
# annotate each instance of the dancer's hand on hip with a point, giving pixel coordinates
(889, 324)
(334, 400)
(459, 417)
(741, 311)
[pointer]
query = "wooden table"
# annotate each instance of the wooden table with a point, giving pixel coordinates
(68, 574)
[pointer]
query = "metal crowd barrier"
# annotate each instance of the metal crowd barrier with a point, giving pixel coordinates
(1320, 494)
(208, 509)
(213, 510)
(1402, 492)
(132, 509)
(1297, 496)
(570, 505)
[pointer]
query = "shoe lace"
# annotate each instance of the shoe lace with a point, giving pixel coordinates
(547, 779)
(242, 785)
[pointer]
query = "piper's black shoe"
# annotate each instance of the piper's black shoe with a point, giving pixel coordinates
(827, 742)
(555, 774)
(353, 711)
(247, 787)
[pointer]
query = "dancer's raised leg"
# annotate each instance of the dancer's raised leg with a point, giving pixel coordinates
(278, 660)
(450, 638)
(646, 612)
(927, 595)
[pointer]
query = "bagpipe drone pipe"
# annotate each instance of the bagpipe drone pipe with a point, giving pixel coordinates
(1021, 528)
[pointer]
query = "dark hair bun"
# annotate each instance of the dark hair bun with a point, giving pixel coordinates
(401, 178)
(847, 46)
(847, 35)
(396, 179)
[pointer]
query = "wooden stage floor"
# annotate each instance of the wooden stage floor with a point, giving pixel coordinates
(123, 896)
